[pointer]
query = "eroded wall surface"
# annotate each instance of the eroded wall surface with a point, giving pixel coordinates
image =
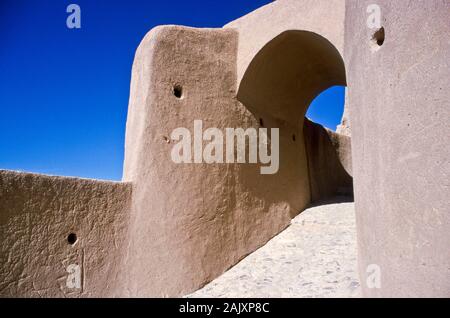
(399, 112)
(38, 213)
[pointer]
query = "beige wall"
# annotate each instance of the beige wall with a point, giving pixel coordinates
(399, 112)
(185, 222)
(191, 222)
(37, 213)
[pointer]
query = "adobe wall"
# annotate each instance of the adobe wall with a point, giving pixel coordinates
(327, 153)
(399, 112)
(37, 213)
(191, 222)
(194, 221)
(187, 224)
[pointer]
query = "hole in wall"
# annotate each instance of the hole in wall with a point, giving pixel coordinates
(261, 122)
(294, 138)
(72, 238)
(178, 91)
(378, 38)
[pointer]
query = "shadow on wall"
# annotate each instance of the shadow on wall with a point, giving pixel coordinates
(326, 152)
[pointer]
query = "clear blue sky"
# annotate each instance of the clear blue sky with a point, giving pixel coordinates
(64, 93)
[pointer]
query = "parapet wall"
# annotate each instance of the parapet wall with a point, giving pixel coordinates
(37, 215)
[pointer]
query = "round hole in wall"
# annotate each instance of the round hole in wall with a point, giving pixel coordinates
(178, 91)
(379, 37)
(72, 238)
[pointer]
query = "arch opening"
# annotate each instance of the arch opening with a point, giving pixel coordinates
(288, 73)
(327, 109)
(280, 83)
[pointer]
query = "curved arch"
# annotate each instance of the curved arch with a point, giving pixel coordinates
(288, 73)
(277, 88)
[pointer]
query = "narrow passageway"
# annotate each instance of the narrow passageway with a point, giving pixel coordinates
(314, 257)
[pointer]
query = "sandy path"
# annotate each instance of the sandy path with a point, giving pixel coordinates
(314, 257)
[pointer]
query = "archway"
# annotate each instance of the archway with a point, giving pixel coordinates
(278, 87)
